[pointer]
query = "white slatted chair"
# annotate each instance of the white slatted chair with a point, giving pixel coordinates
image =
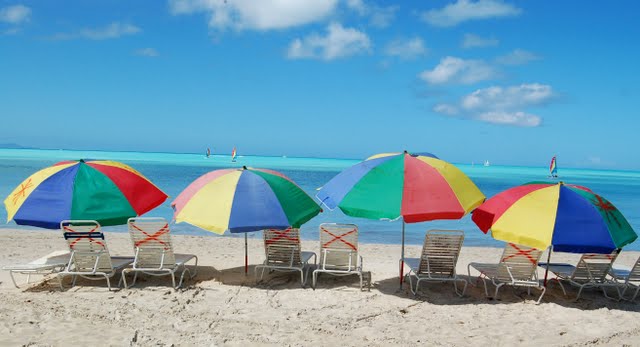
(517, 267)
(339, 252)
(283, 253)
(51, 263)
(437, 262)
(629, 278)
(154, 252)
(90, 258)
(590, 272)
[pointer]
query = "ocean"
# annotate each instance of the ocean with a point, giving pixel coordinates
(174, 172)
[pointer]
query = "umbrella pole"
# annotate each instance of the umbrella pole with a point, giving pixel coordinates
(546, 270)
(246, 255)
(402, 255)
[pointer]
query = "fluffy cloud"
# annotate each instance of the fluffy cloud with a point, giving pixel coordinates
(16, 14)
(517, 57)
(147, 52)
(380, 17)
(452, 70)
(500, 105)
(256, 15)
(473, 41)
(337, 43)
(465, 10)
(111, 31)
(406, 48)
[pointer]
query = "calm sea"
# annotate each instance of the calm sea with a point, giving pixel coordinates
(173, 172)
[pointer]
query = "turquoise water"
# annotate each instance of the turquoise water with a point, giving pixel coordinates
(173, 172)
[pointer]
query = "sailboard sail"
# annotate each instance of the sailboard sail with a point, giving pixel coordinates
(553, 167)
(208, 152)
(233, 154)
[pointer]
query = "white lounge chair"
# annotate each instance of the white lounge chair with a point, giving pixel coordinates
(339, 252)
(90, 256)
(438, 260)
(517, 267)
(51, 263)
(628, 278)
(282, 253)
(590, 272)
(154, 253)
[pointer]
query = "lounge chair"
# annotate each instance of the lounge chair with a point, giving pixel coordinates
(90, 256)
(154, 253)
(339, 252)
(590, 272)
(437, 262)
(51, 263)
(628, 278)
(282, 253)
(517, 267)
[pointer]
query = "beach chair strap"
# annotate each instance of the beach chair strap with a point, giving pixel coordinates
(152, 237)
(339, 238)
(82, 235)
(521, 252)
(281, 235)
(77, 236)
(595, 256)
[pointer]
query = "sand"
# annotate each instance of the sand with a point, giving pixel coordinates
(223, 307)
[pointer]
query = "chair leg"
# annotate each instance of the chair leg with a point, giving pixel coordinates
(13, 279)
(360, 275)
(495, 295)
(544, 290)
(60, 279)
(635, 294)
(464, 288)
(124, 278)
(314, 278)
(173, 279)
(108, 281)
(486, 291)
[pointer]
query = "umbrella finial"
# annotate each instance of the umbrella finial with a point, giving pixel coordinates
(406, 152)
(82, 160)
(244, 167)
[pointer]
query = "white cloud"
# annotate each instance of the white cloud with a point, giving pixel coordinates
(147, 52)
(339, 42)
(473, 41)
(256, 15)
(111, 31)
(380, 17)
(452, 70)
(406, 48)
(503, 106)
(465, 10)
(517, 57)
(16, 14)
(358, 6)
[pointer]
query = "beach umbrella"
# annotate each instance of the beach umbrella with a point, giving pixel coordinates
(567, 217)
(411, 187)
(244, 200)
(106, 191)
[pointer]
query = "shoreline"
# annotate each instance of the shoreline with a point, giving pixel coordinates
(222, 306)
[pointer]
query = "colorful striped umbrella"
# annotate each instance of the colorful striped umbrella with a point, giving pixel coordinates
(106, 191)
(244, 200)
(414, 187)
(568, 217)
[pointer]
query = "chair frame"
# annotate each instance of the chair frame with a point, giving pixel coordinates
(591, 271)
(339, 242)
(624, 277)
(283, 253)
(517, 267)
(438, 260)
(35, 268)
(157, 243)
(94, 247)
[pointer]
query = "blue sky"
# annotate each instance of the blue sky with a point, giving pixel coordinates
(514, 82)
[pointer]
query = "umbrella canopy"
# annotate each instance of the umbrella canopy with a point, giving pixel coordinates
(416, 187)
(568, 217)
(106, 191)
(243, 200)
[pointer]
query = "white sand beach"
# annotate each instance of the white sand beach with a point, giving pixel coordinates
(223, 307)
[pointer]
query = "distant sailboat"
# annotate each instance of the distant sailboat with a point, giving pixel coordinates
(233, 155)
(553, 168)
(208, 152)
(486, 163)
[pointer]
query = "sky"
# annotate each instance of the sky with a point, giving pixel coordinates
(512, 82)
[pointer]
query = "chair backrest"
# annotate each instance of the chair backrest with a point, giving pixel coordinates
(151, 242)
(634, 274)
(593, 267)
(440, 253)
(339, 246)
(518, 263)
(282, 247)
(88, 248)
